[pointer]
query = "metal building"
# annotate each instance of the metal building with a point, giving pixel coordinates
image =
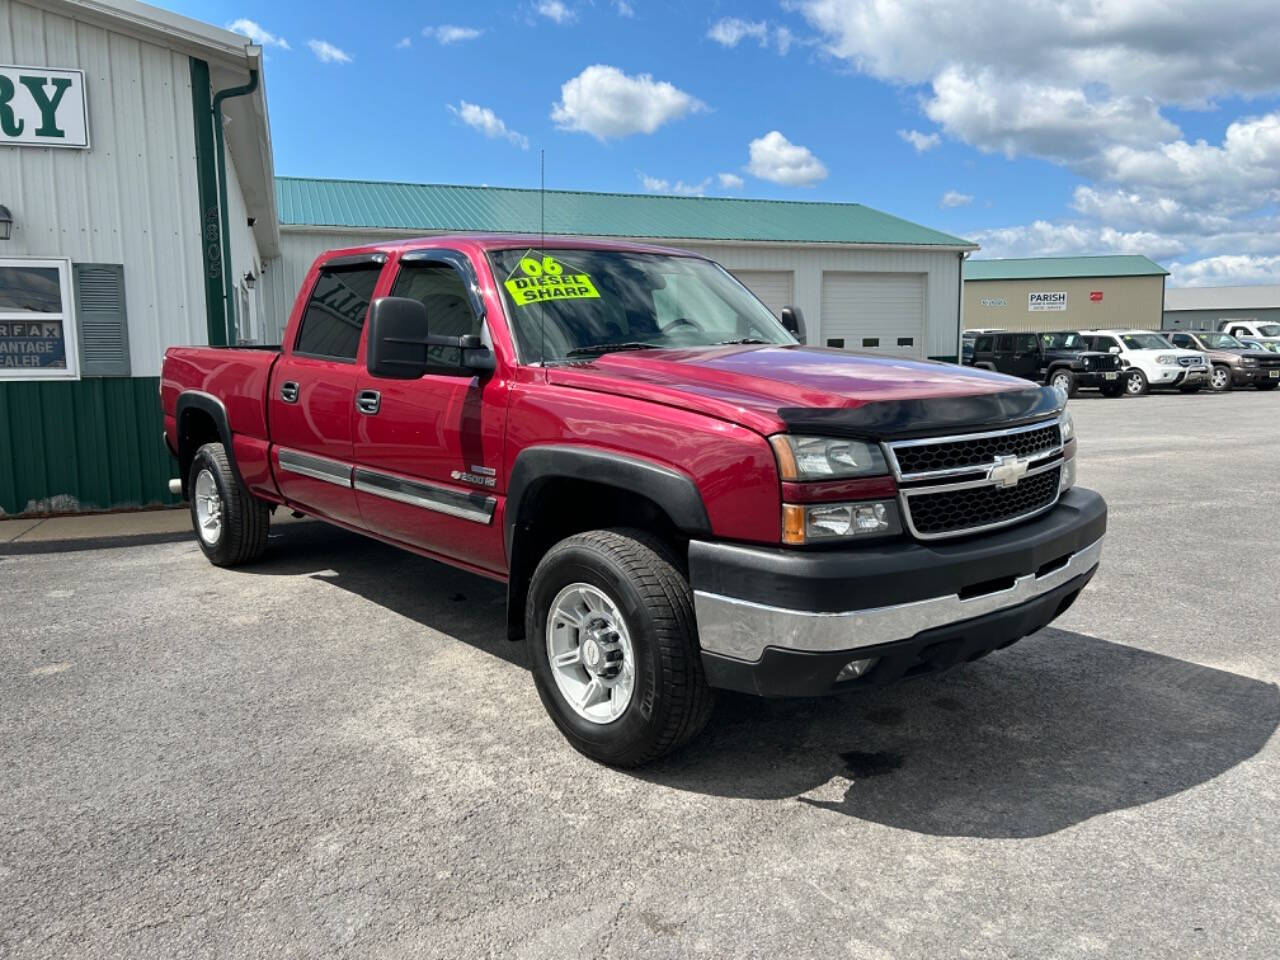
(1063, 293)
(1200, 308)
(865, 280)
(117, 186)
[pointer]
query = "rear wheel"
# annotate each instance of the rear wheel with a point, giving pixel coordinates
(611, 637)
(1135, 382)
(1220, 378)
(1063, 380)
(230, 523)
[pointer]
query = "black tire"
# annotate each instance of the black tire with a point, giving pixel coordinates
(1115, 389)
(1192, 388)
(245, 520)
(670, 702)
(1220, 378)
(1266, 385)
(1064, 379)
(1135, 382)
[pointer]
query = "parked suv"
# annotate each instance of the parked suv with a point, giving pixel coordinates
(1234, 364)
(1058, 359)
(1264, 330)
(1149, 360)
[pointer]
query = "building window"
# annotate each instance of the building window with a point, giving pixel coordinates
(37, 320)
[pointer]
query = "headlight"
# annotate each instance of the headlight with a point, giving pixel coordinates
(1084, 362)
(1068, 427)
(816, 522)
(825, 458)
(1167, 360)
(1249, 361)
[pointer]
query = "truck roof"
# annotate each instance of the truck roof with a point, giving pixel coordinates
(484, 242)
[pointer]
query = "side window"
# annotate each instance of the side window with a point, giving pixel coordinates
(1025, 343)
(983, 344)
(1184, 341)
(444, 294)
(335, 313)
(1004, 341)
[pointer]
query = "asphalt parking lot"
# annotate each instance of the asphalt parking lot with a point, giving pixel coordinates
(335, 752)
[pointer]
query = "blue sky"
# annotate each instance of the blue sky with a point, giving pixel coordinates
(1037, 127)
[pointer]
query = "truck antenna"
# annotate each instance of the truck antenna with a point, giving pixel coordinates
(542, 242)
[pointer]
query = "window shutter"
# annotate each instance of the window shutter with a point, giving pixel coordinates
(101, 320)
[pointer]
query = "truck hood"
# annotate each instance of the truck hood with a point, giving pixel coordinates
(773, 387)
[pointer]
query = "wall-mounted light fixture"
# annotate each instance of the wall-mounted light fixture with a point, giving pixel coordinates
(6, 223)
(250, 280)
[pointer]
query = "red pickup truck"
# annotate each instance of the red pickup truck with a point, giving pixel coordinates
(679, 495)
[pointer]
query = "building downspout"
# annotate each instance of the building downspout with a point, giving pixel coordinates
(963, 256)
(221, 140)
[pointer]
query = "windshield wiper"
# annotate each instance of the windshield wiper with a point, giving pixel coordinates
(730, 343)
(598, 348)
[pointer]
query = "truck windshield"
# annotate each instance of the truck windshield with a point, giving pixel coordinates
(1220, 341)
(1269, 329)
(565, 304)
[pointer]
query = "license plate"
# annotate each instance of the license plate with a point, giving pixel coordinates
(1274, 374)
(1116, 376)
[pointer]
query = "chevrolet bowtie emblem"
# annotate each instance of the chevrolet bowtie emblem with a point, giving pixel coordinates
(1008, 470)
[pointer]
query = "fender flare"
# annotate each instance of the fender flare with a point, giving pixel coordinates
(674, 492)
(209, 404)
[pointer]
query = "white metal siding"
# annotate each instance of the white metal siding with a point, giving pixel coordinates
(876, 312)
(806, 265)
(773, 287)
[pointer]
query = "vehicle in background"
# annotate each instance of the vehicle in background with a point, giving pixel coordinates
(1234, 364)
(677, 494)
(1149, 360)
(1267, 331)
(966, 350)
(1260, 344)
(1058, 359)
(974, 331)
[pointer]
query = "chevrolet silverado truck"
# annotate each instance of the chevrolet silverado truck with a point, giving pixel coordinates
(678, 495)
(1059, 359)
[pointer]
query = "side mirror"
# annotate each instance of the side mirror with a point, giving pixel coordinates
(1114, 350)
(397, 338)
(399, 342)
(793, 320)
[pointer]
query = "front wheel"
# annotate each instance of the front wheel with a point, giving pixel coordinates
(1113, 388)
(1267, 384)
(612, 639)
(1220, 379)
(1135, 382)
(1064, 381)
(230, 523)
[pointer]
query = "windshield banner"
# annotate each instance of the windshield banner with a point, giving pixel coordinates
(542, 279)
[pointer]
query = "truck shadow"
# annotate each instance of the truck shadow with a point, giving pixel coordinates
(1057, 729)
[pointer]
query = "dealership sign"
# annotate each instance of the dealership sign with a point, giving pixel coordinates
(42, 107)
(994, 302)
(1042, 302)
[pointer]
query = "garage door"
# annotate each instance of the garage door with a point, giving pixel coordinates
(874, 312)
(772, 286)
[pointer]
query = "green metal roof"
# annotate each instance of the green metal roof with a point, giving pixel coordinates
(429, 206)
(1044, 268)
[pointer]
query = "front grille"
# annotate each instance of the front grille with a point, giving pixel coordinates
(1105, 362)
(978, 452)
(971, 508)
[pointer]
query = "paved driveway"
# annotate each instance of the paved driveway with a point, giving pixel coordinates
(336, 753)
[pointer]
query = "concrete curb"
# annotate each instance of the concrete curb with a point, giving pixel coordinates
(30, 547)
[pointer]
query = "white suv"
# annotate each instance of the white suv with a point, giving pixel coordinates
(1149, 360)
(1266, 331)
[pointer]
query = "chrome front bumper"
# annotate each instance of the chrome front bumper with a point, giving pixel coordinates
(741, 629)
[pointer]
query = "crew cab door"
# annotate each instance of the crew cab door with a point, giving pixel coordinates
(311, 399)
(1026, 357)
(428, 452)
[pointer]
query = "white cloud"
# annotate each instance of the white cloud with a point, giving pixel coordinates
(605, 102)
(658, 185)
(783, 38)
(730, 181)
(954, 198)
(730, 31)
(1044, 239)
(255, 32)
(327, 53)
(556, 11)
(624, 9)
(777, 159)
(404, 43)
(448, 33)
(921, 141)
(1225, 270)
(487, 122)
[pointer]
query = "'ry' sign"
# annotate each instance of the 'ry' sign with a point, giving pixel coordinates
(42, 107)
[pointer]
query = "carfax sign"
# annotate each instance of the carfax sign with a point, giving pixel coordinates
(1041, 302)
(43, 107)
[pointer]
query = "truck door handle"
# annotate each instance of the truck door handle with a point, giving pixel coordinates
(289, 391)
(368, 401)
